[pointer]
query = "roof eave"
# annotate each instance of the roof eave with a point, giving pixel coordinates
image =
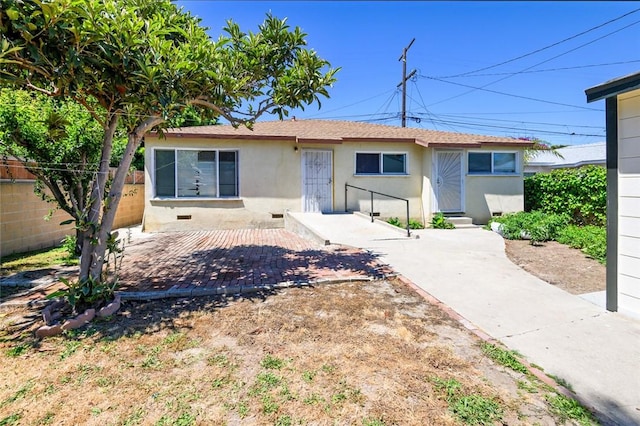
(613, 87)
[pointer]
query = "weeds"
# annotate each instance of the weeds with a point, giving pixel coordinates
(372, 422)
(70, 347)
(18, 350)
(504, 357)
(20, 394)
(568, 408)
(562, 382)
(470, 409)
(271, 363)
(11, 420)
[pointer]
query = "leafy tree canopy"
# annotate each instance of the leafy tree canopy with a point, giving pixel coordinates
(139, 63)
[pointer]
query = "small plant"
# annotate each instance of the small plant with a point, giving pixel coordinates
(271, 362)
(18, 349)
(308, 376)
(372, 422)
(269, 406)
(94, 292)
(284, 421)
(395, 222)
(414, 224)
(439, 221)
(243, 410)
(69, 244)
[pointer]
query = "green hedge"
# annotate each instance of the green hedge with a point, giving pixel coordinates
(581, 193)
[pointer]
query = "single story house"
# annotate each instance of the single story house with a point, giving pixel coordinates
(568, 157)
(221, 177)
(622, 99)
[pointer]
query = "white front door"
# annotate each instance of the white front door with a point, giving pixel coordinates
(317, 179)
(448, 182)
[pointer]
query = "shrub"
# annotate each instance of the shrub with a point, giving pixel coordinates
(414, 224)
(581, 193)
(592, 240)
(439, 221)
(537, 226)
(395, 222)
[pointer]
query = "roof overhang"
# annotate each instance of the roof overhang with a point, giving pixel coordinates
(613, 87)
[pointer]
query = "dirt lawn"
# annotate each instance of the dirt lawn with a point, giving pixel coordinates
(361, 353)
(559, 265)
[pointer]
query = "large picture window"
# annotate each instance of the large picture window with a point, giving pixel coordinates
(193, 173)
(377, 163)
(492, 163)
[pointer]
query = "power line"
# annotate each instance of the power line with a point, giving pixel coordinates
(505, 94)
(546, 70)
(526, 122)
(481, 126)
(355, 103)
(546, 47)
(535, 65)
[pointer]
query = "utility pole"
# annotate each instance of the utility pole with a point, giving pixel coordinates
(403, 83)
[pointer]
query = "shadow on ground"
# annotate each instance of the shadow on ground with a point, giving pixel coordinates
(245, 265)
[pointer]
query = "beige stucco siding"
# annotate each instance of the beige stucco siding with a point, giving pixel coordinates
(407, 186)
(486, 195)
(629, 201)
(489, 195)
(269, 183)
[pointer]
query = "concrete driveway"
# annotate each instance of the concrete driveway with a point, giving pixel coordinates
(596, 351)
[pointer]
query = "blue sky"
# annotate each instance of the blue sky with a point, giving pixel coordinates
(366, 39)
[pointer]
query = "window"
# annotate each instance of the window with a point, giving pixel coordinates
(492, 163)
(193, 173)
(380, 163)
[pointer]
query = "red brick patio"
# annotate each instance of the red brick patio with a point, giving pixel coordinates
(232, 259)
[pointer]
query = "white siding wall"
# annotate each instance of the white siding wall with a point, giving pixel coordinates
(629, 202)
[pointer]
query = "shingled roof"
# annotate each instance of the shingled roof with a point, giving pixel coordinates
(337, 132)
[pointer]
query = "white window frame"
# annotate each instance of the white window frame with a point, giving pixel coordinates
(381, 154)
(493, 172)
(175, 183)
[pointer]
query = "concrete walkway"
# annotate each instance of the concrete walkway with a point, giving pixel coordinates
(595, 351)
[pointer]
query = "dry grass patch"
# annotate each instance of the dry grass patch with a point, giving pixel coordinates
(370, 353)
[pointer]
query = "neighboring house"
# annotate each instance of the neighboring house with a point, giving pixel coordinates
(567, 158)
(622, 97)
(220, 177)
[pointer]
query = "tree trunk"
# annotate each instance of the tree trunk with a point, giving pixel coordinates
(92, 229)
(111, 206)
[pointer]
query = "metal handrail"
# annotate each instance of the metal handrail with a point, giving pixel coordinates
(346, 186)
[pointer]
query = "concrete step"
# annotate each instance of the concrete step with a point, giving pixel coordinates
(460, 221)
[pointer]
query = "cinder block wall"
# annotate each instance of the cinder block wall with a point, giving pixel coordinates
(22, 224)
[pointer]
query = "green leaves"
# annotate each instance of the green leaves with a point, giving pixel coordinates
(581, 193)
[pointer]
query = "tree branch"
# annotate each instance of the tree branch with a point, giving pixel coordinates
(54, 92)
(94, 114)
(214, 107)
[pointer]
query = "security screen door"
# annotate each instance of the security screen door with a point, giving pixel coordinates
(448, 188)
(317, 188)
